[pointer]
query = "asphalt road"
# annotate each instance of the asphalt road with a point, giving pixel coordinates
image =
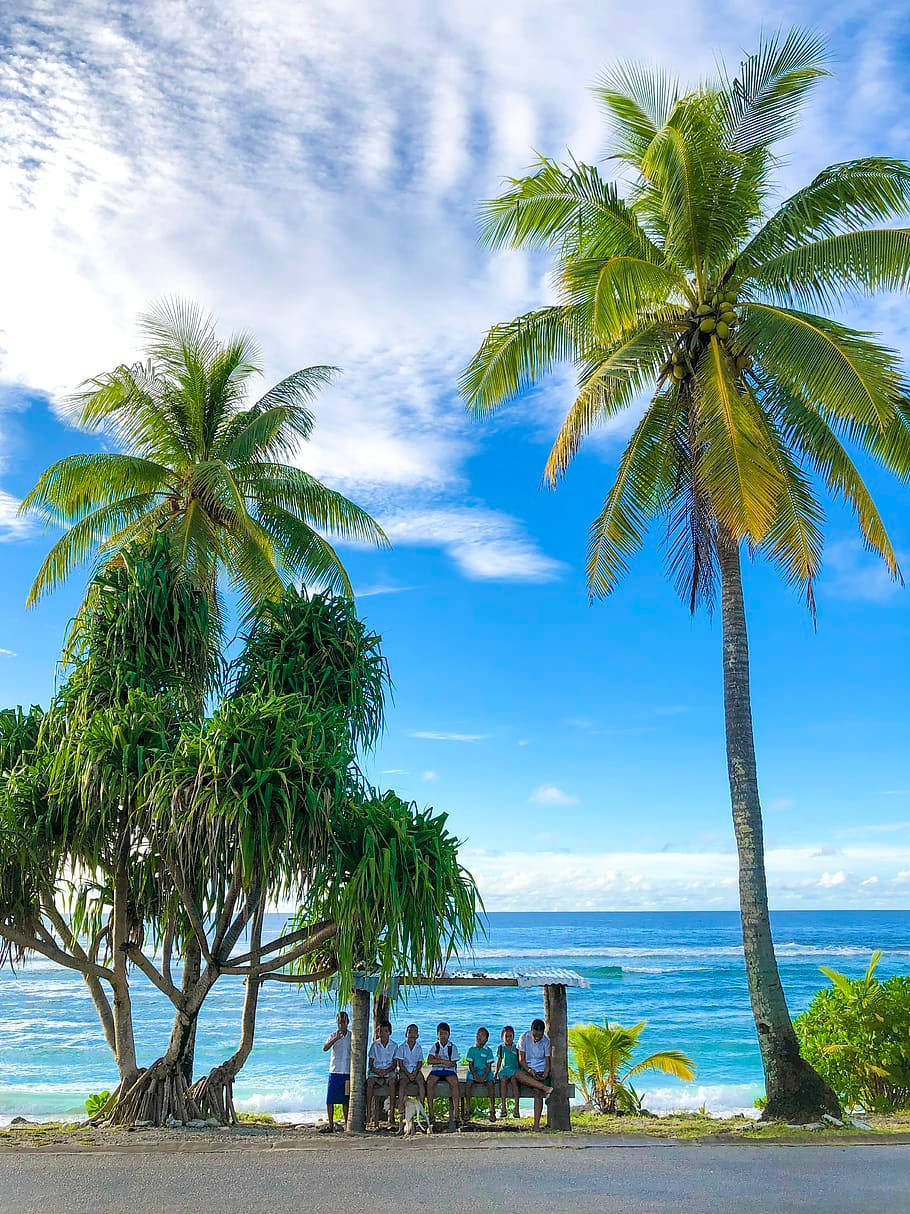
(646, 1179)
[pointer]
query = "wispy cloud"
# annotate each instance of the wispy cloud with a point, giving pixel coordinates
(874, 828)
(486, 545)
(12, 525)
(371, 592)
(549, 794)
(8, 653)
(438, 735)
(850, 572)
(430, 776)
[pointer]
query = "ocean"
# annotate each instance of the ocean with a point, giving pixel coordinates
(682, 972)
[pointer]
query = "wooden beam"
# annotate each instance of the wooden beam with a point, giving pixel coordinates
(360, 1044)
(557, 1021)
(459, 981)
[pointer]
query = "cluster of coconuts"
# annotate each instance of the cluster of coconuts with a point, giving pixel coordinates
(719, 317)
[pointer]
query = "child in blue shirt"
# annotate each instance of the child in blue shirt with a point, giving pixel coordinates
(480, 1072)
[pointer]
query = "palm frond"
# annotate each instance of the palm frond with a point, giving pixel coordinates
(823, 273)
(734, 463)
(572, 203)
(78, 484)
(670, 1062)
(841, 198)
(639, 101)
(810, 435)
(763, 100)
(515, 355)
(609, 385)
(641, 490)
(842, 371)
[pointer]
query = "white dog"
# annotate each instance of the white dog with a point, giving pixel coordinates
(415, 1117)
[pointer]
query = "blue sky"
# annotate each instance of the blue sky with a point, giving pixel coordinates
(311, 173)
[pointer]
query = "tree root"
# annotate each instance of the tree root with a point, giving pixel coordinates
(159, 1095)
(800, 1096)
(213, 1094)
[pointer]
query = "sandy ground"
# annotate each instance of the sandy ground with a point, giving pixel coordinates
(252, 1170)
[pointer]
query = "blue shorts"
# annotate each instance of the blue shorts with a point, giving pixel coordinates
(336, 1093)
(442, 1072)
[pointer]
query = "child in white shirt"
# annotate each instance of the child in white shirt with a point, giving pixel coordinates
(382, 1069)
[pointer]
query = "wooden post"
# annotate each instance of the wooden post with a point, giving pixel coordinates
(557, 1019)
(360, 1044)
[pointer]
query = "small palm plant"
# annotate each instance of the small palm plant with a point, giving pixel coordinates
(601, 1064)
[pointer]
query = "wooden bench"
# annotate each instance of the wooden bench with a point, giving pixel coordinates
(381, 1092)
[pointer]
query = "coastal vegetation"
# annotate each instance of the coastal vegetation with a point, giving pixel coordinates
(857, 1034)
(602, 1062)
(167, 796)
(137, 837)
(681, 287)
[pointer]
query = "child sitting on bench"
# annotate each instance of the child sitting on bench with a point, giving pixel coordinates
(383, 1069)
(443, 1058)
(480, 1072)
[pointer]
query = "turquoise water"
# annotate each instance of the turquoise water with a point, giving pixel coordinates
(680, 971)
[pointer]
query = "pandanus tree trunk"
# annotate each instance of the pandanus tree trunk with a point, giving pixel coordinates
(213, 1094)
(795, 1091)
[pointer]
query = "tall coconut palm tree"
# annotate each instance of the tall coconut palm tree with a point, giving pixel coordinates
(198, 462)
(682, 291)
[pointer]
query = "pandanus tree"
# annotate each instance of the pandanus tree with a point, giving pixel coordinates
(165, 836)
(679, 289)
(200, 463)
(79, 883)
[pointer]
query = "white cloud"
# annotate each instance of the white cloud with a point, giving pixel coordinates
(667, 880)
(372, 591)
(549, 794)
(12, 525)
(311, 172)
(828, 880)
(435, 735)
(7, 653)
(486, 545)
(430, 775)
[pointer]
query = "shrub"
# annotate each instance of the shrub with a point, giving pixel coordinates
(602, 1063)
(96, 1102)
(857, 1036)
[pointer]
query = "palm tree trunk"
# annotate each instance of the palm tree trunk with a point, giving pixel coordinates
(794, 1090)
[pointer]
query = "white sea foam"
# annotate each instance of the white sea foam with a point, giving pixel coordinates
(790, 949)
(718, 1099)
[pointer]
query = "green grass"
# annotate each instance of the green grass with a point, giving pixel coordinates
(698, 1126)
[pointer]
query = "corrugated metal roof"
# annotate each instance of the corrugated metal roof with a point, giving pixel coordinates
(527, 976)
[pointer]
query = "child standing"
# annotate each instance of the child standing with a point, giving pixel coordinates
(480, 1071)
(506, 1069)
(339, 1071)
(382, 1069)
(443, 1058)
